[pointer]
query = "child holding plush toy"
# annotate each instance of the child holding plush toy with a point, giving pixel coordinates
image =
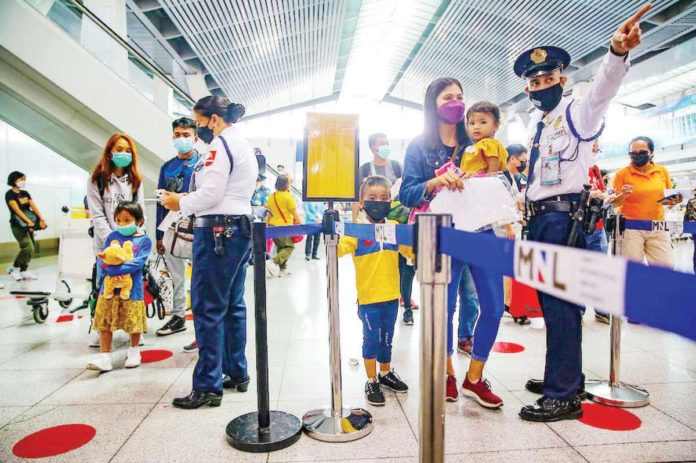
(120, 305)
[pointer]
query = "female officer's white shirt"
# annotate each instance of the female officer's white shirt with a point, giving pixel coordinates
(216, 190)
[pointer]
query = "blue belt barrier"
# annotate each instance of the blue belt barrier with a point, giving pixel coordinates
(647, 225)
(293, 230)
(366, 231)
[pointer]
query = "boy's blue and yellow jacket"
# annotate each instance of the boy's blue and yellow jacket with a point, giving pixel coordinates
(376, 268)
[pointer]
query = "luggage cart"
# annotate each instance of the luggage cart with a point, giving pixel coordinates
(75, 262)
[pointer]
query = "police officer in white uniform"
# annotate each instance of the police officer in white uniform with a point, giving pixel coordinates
(560, 147)
(220, 199)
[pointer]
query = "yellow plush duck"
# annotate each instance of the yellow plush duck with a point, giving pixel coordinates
(117, 255)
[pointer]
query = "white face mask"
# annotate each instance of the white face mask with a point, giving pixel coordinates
(21, 184)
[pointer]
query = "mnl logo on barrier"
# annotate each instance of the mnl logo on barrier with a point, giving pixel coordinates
(582, 277)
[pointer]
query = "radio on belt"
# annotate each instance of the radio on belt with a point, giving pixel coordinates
(218, 233)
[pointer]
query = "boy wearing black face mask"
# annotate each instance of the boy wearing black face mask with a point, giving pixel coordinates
(560, 153)
(377, 279)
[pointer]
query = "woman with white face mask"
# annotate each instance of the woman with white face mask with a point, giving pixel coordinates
(25, 218)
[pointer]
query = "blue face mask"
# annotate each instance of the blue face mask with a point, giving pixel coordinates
(183, 145)
(384, 152)
(122, 159)
(127, 230)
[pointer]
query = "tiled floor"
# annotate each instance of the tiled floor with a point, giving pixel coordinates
(43, 383)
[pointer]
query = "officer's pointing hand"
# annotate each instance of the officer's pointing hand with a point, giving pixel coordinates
(170, 201)
(628, 36)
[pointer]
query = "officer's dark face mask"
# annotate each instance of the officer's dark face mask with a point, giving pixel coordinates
(205, 134)
(639, 158)
(548, 98)
(377, 211)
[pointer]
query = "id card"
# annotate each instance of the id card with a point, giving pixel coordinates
(550, 170)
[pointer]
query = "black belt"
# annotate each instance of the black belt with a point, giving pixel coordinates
(567, 203)
(209, 221)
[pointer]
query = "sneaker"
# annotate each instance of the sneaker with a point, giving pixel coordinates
(101, 362)
(601, 318)
(14, 273)
(316, 258)
(191, 348)
(392, 382)
(306, 258)
(452, 394)
(408, 317)
(28, 276)
(373, 393)
(94, 339)
(272, 269)
(133, 357)
(481, 393)
(174, 325)
(142, 340)
(284, 272)
(464, 347)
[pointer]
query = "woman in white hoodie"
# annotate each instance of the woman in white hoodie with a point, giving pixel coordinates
(115, 179)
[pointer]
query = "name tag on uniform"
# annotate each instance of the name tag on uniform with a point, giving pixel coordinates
(550, 170)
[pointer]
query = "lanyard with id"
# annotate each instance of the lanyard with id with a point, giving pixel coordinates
(550, 168)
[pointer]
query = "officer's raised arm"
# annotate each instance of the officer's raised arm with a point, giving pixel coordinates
(588, 115)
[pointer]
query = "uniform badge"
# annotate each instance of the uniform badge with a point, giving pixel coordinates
(538, 56)
(557, 124)
(210, 158)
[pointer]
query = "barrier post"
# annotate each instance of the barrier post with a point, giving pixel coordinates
(265, 430)
(340, 423)
(434, 275)
(614, 392)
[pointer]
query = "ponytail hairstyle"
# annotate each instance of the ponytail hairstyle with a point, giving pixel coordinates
(213, 104)
(101, 175)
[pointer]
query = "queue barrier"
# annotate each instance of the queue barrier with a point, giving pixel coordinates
(676, 226)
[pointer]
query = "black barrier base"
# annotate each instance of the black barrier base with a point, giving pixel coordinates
(243, 432)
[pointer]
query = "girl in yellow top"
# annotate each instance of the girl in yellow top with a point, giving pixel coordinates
(486, 154)
(282, 211)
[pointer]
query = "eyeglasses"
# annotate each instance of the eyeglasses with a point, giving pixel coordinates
(637, 153)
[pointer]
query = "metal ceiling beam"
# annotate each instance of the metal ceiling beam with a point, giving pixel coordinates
(304, 104)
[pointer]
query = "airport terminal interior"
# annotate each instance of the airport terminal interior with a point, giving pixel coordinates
(337, 95)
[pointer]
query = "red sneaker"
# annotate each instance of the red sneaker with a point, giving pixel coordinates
(464, 347)
(481, 392)
(452, 394)
(414, 306)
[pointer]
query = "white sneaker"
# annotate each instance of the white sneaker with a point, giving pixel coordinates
(101, 362)
(284, 272)
(94, 338)
(272, 269)
(28, 275)
(142, 340)
(14, 273)
(133, 358)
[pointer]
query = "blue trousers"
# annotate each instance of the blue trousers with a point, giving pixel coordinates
(597, 241)
(378, 329)
(563, 374)
(219, 313)
(489, 287)
(468, 305)
(406, 275)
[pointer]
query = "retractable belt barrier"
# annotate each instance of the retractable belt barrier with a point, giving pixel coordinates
(676, 226)
(293, 230)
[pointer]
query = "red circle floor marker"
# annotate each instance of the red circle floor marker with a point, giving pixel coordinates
(54, 441)
(507, 348)
(150, 356)
(67, 318)
(610, 418)
(189, 316)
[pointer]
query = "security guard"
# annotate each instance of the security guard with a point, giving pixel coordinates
(560, 140)
(220, 199)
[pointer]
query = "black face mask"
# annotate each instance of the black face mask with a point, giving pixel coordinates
(548, 98)
(522, 166)
(640, 159)
(377, 210)
(205, 134)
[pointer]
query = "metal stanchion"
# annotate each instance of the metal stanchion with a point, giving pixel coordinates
(434, 275)
(614, 392)
(265, 430)
(340, 423)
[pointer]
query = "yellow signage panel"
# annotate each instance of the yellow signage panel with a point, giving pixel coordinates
(331, 157)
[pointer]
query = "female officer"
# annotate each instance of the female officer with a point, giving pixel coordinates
(444, 138)
(220, 199)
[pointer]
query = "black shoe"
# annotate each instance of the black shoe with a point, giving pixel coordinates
(316, 258)
(392, 381)
(240, 386)
(373, 393)
(536, 386)
(546, 410)
(601, 317)
(306, 258)
(195, 399)
(174, 325)
(408, 317)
